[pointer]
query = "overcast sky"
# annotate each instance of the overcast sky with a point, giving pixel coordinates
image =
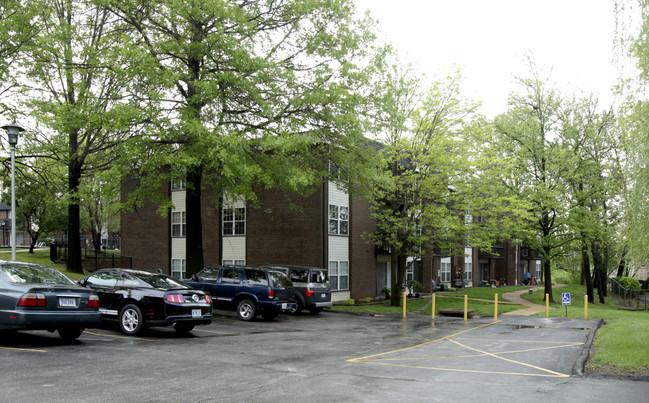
(489, 39)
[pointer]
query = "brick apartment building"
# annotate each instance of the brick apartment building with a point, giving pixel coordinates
(327, 229)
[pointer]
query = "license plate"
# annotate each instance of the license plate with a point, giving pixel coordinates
(323, 295)
(196, 313)
(67, 302)
(284, 305)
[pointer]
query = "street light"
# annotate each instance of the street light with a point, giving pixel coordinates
(13, 130)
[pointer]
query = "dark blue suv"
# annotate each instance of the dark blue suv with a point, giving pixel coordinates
(247, 290)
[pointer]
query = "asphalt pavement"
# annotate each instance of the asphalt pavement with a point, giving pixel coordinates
(323, 358)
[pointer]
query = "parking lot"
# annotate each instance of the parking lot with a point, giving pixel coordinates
(329, 357)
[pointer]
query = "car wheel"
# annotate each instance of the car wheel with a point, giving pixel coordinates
(298, 308)
(246, 310)
(315, 311)
(131, 320)
(270, 315)
(183, 328)
(70, 334)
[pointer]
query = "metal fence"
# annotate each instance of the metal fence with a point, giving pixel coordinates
(632, 299)
(91, 259)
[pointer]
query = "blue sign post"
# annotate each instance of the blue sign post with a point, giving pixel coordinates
(565, 300)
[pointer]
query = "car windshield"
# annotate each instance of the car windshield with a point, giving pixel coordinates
(319, 276)
(209, 274)
(34, 274)
(156, 280)
(280, 279)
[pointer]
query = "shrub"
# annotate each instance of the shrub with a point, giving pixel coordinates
(367, 300)
(349, 301)
(629, 282)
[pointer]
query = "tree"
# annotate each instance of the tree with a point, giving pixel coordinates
(74, 91)
(243, 94)
(591, 149)
(15, 30)
(528, 134)
(433, 181)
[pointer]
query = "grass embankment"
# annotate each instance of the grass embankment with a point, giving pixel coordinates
(41, 257)
(621, 343)
(480, 300)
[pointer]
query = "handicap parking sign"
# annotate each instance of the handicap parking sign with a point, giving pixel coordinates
(565, 298)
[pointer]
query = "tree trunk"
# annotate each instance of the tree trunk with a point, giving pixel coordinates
(74, 216)
(398, 269)
(622, 265)
(194, 236)
(597, 262)
(547, 274)
(585, 271)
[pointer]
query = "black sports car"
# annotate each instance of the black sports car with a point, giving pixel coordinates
(138, 298)
(38, 297)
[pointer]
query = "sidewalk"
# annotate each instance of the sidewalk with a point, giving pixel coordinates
(515, 298)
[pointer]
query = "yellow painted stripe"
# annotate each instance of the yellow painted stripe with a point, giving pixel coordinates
(23, 349)
(470, 370)
(117, 337)
(422, 344)
(512, 361)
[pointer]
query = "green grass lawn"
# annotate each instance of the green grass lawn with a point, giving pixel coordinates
(40, 257)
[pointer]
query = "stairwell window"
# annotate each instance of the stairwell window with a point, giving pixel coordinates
(234, 221)
(178, 267)
(338, 220)
(339, 275)
(446, 270)
(178, 223)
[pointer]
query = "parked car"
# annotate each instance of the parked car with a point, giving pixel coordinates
(311, 284)
(38, 297)
(246, 290)
(137, 299)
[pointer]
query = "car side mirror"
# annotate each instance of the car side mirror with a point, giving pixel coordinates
(82, 282)
(195, 278)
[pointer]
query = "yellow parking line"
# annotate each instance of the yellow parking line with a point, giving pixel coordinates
(512, 361)
(116, 337)
(422, 344)
(23, 349)
(469, 370)
(215, 332)
(372, 359)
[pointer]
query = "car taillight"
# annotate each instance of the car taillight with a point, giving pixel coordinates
(32, 299)
(208, 299)
(271, 293)
(175, 298)
(93, 301)
(309, 292)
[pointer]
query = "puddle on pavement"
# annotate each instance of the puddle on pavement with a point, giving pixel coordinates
(517, 327)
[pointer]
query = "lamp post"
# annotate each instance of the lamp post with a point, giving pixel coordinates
(12, 131)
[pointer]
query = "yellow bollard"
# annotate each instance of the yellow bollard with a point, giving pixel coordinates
(585, 306)
(404, 304)
(547, 305)
(433, 314)
(466, 305)
(496, 307)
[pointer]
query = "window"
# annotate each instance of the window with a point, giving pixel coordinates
(338, 220)
(178, 223)
(256, 278)
(178, 268)
(339, 275)
(233, 262)
(538, 270)
(468, 266)
(230, 276)
(234, 221)
(179, 185)
(446, 270)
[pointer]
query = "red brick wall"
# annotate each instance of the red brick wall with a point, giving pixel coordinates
(279, 234)
(146, 235)
(361, 252)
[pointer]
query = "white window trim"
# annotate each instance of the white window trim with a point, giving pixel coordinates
(338, 219)
(182, 224)
(182, 270)
(337, 270)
